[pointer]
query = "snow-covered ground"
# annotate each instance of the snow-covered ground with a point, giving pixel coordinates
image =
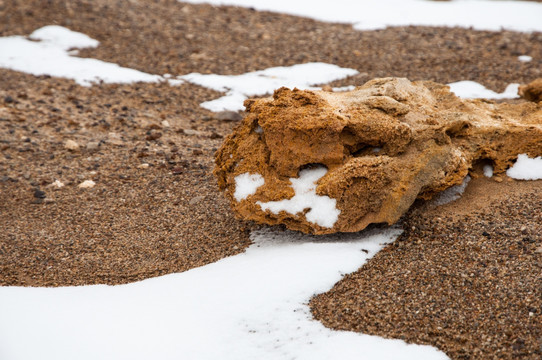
(239, 87)
(472, 90)
(253, 305)
(51, 54)
(249, 306)
(372, 15)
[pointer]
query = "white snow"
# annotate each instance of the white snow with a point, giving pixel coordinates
(50, 55)
(488, 170)
(526, 168)
(452, 193)
(250, 306)
(322, 209)
(239, 87)
(372, 15)
(525, 58)
(472, 90)
(246, 184)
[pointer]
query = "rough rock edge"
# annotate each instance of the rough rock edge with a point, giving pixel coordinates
(428, 140)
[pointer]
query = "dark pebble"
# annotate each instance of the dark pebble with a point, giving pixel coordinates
(39, 194)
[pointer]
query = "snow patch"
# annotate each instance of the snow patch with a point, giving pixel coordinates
(488, 170)
(373, 15)
(452, 193)
(246, 184)
(322, 209)
(239, 87)
(249, 306)
(51, 55)
(526, 168)
(472, 90)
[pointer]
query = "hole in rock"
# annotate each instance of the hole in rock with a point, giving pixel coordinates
(458, 129)
(482, 167)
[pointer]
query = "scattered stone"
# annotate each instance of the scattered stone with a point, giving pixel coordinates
(196, 200)
(39, 194)
(532, 91)
(71, 145)
(143, 166)
(177, 171)
(215, 135)
(192, 132)
(87, 184)
(197, 152)
(93, 145)
(153, 135)
(58, 184)
(428, 139)
(8, 100)
(165, 124)
(228, 116)
(114, 138)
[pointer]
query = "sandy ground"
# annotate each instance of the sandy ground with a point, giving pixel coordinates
(464, 277)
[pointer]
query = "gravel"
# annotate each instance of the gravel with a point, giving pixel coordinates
(155, 208)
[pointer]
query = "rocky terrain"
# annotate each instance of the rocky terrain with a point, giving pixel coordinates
(464, 277)
(385, 144)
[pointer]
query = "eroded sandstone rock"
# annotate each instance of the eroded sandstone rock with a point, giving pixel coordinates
(323, 162)
(532, 91)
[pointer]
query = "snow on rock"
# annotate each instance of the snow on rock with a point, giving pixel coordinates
(322, 209)
(526, 168)
(372, 15)
(473, 90)
(239, 87)
(488, 170)
(453, 193)
(376, 143)
(50, 55)
(246, 184)
(249, 306)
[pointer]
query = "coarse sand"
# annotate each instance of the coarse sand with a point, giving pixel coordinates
(464, 277)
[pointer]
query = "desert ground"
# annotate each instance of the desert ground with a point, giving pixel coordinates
(464, 277)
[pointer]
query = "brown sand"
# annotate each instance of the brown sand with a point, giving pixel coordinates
(461, 278)
(137, 223)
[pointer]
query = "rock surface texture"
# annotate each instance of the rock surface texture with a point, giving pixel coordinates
(532, 91)
(323, 162)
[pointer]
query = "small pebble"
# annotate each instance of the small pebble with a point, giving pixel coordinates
(57, 183)
(143, 166)
(71, 145)
(228, 116)
(87, 184)
(196, 200)
(39, 194)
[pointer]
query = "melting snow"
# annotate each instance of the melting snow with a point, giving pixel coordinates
(453, 193)
(526, 168)
(246, 184)
(249, 306)
(473, 90)
(372, 15)
(50, 55)
(322, 209)
(239, 87)
(488, 170)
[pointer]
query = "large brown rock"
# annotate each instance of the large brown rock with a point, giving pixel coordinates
(532, 91)
(384, 145)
